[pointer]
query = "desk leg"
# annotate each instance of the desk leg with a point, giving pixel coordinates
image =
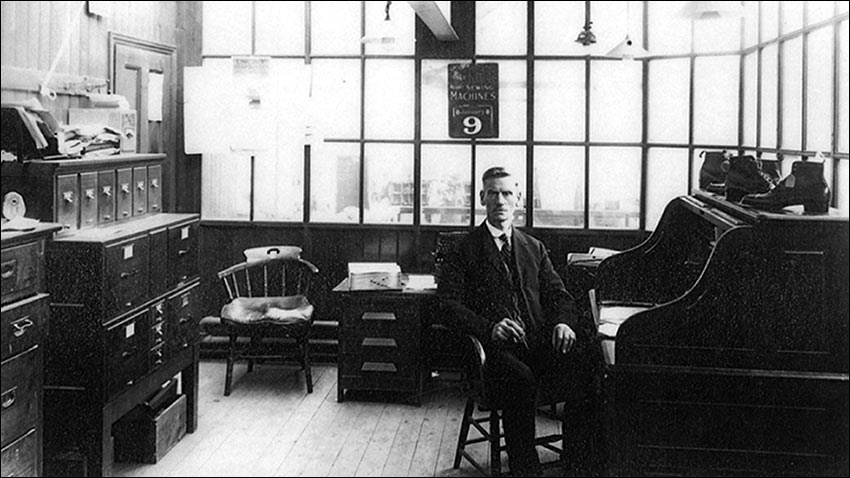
(190, 389)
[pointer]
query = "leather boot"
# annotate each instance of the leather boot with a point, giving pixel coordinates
(805, 185)
(712, 168)
(746, 176)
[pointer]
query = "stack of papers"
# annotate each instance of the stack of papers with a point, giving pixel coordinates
(373, 275)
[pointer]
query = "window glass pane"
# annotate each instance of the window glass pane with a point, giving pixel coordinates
(792, 93)
(768, 96)
(722, 34)
(556, 27)
(668, 100)
(666, 178)
(335, 183)
(792, 15)
(843, 88)
(511, 158)
(226, 188)
(446, 186)
(335, 28)
(559, 100)
(751, 23)
(559, 186)
(388, 195)
(401, 26)
(500, 28)
(435, 101)
(512, 100)
(669, 30)
(227, 28)
(279, 184)
(819, 11)
(716, 100)
(842, 195)
(334, 104)
(769, 20)
(612, 21)
(389, 99)
(843, 7)
(280, 28)
(819, 91)
(750, 94)
(615, 101)
(614, 188)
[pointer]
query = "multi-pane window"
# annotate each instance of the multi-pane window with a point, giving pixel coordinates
(335, 130)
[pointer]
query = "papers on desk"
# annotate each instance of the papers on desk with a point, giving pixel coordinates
(420, 282)
(593, 255)
(374, 275)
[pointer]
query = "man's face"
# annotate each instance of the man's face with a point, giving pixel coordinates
(500, 197)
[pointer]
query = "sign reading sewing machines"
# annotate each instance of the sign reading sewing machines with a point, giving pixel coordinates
(474, 100)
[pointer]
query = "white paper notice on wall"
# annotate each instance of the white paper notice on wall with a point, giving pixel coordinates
(205, 114)
(155, 84)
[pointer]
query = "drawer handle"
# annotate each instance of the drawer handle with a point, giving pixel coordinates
(21, 325)
(125, 188)
(378, 316)
(182, 252)
(107, 217)
(89, 193)
(9, 398)
(140, 185)
(130, 383)
(128, 274)
(128, 353)
(184, 320)
(107, 191)
(68, 197)
(8, 268)
(154, 183)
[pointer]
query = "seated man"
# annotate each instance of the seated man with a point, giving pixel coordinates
(500, 286)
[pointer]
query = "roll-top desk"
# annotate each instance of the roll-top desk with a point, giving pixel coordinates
(123, 279)
(731, 355)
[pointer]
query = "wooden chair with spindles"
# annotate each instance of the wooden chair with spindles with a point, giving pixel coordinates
(268, 297)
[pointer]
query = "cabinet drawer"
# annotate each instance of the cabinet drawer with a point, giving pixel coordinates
(159, 265)
(381, 314)
(155, 188)
(182, 253)
(140, 190)
(21, 457)
(127, 275)
(126, 348)
(124, 194)
(21, 271)
(398, 350)
(378, 372)
(19, 394)
(88, 200)
(156, 357)
(106, 197)
(183, 313)
(67, 200)
(23, 324)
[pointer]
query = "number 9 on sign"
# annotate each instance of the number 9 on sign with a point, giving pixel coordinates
(471, 125)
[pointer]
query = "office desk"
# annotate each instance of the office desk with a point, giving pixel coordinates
(381, 340)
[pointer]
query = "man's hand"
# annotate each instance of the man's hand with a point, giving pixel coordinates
(563, 338)
(507, 330)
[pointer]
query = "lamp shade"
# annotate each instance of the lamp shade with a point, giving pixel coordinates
(627, 50)
(712, 10)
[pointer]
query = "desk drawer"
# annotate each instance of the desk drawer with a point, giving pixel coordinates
(155, 188)
(21, 457)
(106, 200)
(20, 385)
(379, 374)
(67, 200)
(182, 253)
(381, 314)
(126, 352)
(400, 350)
(140, 190)
(22, 325)
(127, 275)
(21, 271)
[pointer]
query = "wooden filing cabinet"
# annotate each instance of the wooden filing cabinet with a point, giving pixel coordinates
(125, 302)
(381, 338)
(23, 324)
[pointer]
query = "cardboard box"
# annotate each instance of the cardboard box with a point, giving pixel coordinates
(145, 435)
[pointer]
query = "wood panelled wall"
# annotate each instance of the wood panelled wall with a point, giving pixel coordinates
(32, 35)
(331, 248)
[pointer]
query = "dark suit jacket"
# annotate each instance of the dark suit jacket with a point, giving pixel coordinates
(476, 291)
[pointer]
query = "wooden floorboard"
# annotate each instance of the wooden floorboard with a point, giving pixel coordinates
(270, 426)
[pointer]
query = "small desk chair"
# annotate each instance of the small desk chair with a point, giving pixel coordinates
(268, 296)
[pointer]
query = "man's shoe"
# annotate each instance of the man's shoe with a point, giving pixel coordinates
(746, 176)
(805, 185)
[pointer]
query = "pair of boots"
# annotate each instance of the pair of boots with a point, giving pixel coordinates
(805, 185)
(740, 175)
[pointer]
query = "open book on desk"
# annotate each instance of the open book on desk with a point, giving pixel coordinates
(374, 276)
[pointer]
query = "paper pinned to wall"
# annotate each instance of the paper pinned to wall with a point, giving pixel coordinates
(155, 84)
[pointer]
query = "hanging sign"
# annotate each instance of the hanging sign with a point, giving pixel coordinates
(474, 100)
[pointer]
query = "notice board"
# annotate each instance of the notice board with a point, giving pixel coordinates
(474, 100)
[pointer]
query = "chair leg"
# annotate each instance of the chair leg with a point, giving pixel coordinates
(495, 445)
(255, 343)
(231, 356)
(305, 361)
(464, 431)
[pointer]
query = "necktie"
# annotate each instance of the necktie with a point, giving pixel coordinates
(510, 266)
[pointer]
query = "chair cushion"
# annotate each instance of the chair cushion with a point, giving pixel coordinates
(268, 310)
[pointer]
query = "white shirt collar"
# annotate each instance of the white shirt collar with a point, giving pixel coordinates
(497, 233)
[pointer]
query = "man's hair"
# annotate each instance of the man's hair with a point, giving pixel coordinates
(494, 172)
